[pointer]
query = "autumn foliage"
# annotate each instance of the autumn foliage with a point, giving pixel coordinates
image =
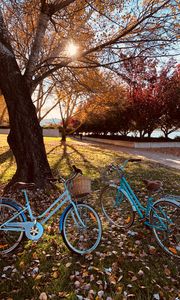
(151, 101)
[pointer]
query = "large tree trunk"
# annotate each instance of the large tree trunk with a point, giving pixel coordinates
(63, 135)
(25, 137)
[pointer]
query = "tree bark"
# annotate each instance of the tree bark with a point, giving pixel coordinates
(25, 137)
(63, 134)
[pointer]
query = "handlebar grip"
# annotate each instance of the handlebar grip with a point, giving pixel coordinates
(77, 170)
(134, 159)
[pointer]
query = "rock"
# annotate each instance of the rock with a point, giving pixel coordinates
(38, 277)
(55, 274)
(108, 270)
(43, 296)
(77, 284)
(91, 292)
(14, 270)
(100, 294)
(134, 278)
(79, 297)
(120, 277)
(22, 264)
(152, 249)
(92, 277)
(77, 273)
(132, 233)
(167, 271)
(130, 296)
(35, 271)
(156, 297)
(99, 282)
(68, 265)
(87, 286)
(7, 268)
(140, 273)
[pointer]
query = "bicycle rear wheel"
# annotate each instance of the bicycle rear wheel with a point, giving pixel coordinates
(9, 240)
(165, 221)
(81, 238)
(116, 207)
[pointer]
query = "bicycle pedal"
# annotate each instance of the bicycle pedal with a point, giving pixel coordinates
(146, 222)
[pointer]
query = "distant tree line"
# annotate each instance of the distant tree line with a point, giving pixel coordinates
(151, 100)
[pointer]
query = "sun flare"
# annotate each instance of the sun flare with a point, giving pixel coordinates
(72, 49)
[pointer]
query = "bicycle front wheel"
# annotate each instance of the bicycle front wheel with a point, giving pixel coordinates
(9, 240)
(81, 235)
(116, 207)
(165, 221)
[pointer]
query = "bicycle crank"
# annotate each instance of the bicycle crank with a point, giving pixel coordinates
(34, 231)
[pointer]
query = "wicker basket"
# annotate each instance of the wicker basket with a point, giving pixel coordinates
(80, 186)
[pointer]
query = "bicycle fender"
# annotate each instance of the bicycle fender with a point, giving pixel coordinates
(62, 217)
(166, 199)
(14, 204)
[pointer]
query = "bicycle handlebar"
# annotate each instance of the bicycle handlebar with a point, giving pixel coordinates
(77, 170)
(134, 159)
(72, 176)
(121, 168)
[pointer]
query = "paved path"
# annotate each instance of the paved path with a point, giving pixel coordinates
(164, 159)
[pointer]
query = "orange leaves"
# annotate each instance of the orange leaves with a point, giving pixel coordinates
(173, 250)
(2, 246)
(128, 220)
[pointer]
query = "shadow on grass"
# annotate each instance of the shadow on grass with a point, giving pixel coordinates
(67, 158)
(6, 156)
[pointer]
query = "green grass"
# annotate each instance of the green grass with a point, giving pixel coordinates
(125, 255)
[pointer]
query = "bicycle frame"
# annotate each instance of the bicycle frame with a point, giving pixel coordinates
(45, 216)
(133, 199)
(122, 203)
(125, 188)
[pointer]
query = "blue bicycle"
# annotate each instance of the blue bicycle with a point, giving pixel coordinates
(119, 204)
(79, 224)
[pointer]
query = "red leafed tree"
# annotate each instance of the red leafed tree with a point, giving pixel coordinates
(145, 107)
(169, 94)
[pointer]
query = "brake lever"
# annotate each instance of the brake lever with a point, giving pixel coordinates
(77, 170)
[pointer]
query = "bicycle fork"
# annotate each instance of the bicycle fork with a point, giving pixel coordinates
(76, 217)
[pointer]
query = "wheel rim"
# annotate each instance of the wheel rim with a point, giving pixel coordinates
(9, 240)
(81, 239)
(116, 207)
(167, 232)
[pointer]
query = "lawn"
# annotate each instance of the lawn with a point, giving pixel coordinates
(126, 265)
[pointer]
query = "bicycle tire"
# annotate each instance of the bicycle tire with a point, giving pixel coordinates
(10, 240)
(167, 234)
(78, 239)
(116, 207)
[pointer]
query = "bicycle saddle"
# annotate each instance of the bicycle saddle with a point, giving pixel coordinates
(153, 186)
(24, 185)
